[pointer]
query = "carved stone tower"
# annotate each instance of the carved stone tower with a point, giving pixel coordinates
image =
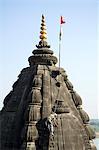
(43, 111)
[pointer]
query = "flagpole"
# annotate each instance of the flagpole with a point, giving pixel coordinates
(60, 37)
(59, 51)
(59, 45)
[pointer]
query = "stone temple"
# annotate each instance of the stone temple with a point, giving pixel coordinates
(43, 111)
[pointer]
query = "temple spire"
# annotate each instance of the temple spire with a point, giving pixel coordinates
(43, 35)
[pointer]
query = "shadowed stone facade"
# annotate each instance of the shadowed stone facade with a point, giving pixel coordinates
(43, 111)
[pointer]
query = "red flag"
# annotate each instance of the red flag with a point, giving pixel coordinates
(62, 21)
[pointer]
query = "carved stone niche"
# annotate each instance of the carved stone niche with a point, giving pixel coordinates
(76, 98)
(37, 81)
(59, 107)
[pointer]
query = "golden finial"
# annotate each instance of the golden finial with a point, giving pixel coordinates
(43, 33)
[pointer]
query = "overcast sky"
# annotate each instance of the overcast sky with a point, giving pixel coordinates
(19, 33)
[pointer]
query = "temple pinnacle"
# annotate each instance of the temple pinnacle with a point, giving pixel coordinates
(43, 35)
(43, 32)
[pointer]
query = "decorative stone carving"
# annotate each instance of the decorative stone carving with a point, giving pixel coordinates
(37, 81)
(76, 98)
(45, 59)
(83, 115)
(46, 101)
(33, 113)
(36, 96)
(60, 107)
(69, 85)
(31, 133)
(43, 44)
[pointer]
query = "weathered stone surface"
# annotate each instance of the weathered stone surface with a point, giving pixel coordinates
(40, 91)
